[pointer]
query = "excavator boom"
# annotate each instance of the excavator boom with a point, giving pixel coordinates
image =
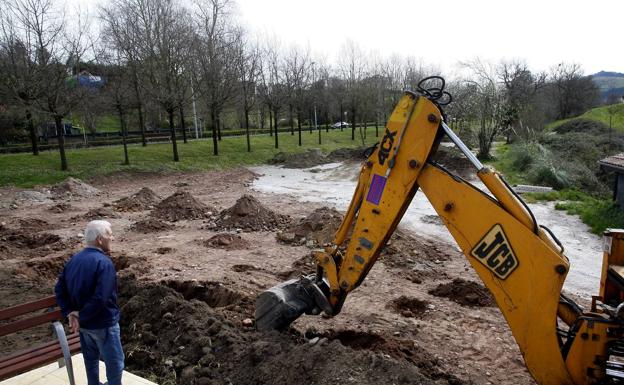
(520, 262)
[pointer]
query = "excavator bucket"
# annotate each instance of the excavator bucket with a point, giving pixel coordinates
(279, 306)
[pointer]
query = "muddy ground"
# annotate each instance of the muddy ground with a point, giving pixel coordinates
(191, 266)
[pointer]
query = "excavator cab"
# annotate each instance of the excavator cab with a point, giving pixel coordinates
(520, 261)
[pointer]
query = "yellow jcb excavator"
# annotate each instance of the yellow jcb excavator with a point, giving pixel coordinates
(520, 262)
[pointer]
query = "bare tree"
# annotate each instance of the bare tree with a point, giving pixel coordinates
(572, 92)
(488, 102)
(120, 32)
(163, 45)
(272, 89)
(297, 76)
(248, 66)
(353, 66)
(214, 53)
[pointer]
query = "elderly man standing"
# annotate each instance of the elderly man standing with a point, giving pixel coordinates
(86, 291)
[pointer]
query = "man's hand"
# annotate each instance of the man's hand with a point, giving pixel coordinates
(74, 322)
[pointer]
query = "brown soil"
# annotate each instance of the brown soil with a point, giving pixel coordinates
(408, 306)
(248, 214)
(315, 157)
(319, 227)
(34, 224)
(182, 206)
(199, 344)
(100, 213)
(184, 305)
(227, 241)
(73, 187)
(151, 225)
(453, 160)
(18, 243)
(467, 293)
(60, 207)
(143, 200)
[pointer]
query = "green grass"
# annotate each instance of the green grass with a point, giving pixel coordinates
(26, 170)
(599, 214)
(600, 114)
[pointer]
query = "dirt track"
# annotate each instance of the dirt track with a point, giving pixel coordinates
(188, 284)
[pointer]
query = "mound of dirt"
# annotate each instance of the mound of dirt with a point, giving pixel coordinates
(181, 339)
(34, 224)
(310, 158)
(31, 197)
(342, 154)
(248, 214)
(319, 227)
(455, 161)
(143, 200)
(60, 207)
(180, 206)
(72, 187)
(408, 306)
(151, 225)
(20, 243)
(467, 293)
(100, 213)
(227, 241)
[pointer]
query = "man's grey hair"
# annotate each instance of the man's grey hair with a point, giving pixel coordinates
(95, 229)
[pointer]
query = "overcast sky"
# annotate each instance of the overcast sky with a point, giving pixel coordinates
(443, 32)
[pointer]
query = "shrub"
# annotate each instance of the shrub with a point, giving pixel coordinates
(525, 155)
(547, 175)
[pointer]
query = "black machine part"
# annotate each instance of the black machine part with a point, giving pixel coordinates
(279, 306)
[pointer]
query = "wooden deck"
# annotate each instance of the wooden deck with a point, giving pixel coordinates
(53, 375)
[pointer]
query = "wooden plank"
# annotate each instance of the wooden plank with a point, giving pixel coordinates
(30, 322)
(36, 362)
(27, 307)
(14, 358)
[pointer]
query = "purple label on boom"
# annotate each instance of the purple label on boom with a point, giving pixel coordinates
(376, 189)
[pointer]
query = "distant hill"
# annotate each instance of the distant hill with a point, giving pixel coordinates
(609, 83)
(600, 114)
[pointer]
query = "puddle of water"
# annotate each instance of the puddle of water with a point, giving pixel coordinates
(333, 184)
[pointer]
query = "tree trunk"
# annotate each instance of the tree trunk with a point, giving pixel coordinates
(365, 128)
(299, 125)
(292, 123)
(174, 143)
(275, 123)
(341, 116)
(135, 81)
(270, 122)
(183, 125)
(213, 123)
(247, 129)
(60, 136)
(326, 121)
(218, 125)
(33, 133)
(124, 133)
(376, 128)
(353, 124)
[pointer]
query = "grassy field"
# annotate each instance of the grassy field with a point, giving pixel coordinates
(598, 213)
(600, 114)
(26, 170)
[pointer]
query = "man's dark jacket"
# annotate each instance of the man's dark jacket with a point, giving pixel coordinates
(88, 284)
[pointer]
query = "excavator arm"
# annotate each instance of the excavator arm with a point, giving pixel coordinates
(521, 263)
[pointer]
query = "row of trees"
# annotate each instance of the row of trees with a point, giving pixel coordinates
(159, 57)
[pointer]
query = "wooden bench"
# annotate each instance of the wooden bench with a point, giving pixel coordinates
(39, 355)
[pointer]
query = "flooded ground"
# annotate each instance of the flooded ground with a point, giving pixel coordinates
(333, 184)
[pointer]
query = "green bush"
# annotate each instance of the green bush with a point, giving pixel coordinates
(547, 175)
(525, 155)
